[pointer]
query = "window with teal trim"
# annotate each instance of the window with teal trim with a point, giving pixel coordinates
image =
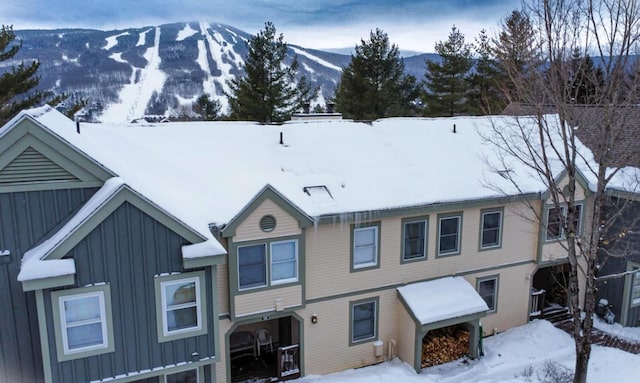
(364, 321)
(181, 305)
(415, 234)
(189, 376)
(284, 262)
(365, 247)
(449, 235)
(488, 290)
(491, 226)
(252, 266)
(555, 222)
(83, 319)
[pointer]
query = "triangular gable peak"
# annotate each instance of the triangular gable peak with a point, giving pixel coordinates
(562, 180)
(33, 158)
(268, 214)
(43, 266)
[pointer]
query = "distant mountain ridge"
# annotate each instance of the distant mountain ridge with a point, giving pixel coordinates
(157, 70)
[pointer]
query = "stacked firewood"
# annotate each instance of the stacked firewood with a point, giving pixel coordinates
(444, 345)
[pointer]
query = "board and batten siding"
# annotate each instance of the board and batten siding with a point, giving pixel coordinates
(328, 253)
(267, 300)
(25, 218)
(127, 250)
(249, 229)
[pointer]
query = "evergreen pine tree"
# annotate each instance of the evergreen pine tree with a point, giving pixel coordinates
(447, 85)
(374, 84)
(585, 81)
(268, 91)
(206, 108)
(17, 84)
(484, 95)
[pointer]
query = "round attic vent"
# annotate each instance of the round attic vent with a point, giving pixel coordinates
(267, 223)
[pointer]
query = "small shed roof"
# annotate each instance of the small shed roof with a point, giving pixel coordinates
(442, 299)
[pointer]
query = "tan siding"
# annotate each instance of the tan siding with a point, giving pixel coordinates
(327, 342)
(249, 229)
(265, 300)
(221, 367)
(223, 289)
(406, 336)
(328, 253)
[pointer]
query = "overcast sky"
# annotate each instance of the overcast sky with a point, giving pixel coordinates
(413, 25)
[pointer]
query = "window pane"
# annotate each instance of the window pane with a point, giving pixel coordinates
(487, 290)
(252, 266)
(449, 225)
(491, 229)
(84, 336)
(364, 316)
(180, 293)
(414, 238)
(554, 219)
(182, 318)
(82, 309)
(364, 255)
(283, 251)
(364, 237)
(190, 376)
(283, 270)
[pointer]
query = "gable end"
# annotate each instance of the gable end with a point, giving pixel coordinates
(33, 166)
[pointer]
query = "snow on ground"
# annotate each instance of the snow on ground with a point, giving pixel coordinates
(142, 37)
(133, 96)
(518, 355)
(186, 32)
(118, 57)
(316, 59)
(631, 334)
(112, 41)
(221, 53)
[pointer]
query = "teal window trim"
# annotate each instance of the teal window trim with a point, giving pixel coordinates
(483, 214)
(268, 246)
(376, 312)
(295, 261)
(634, 290)
(561, 232)
(458, 234)
(161, 282)
(410, 221)
(61, 327)
(375, 226)
(493, 294)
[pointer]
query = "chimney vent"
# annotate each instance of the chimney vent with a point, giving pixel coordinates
(78, 127)
(454, 128)
(281, 139)
(330, 107)
(306, 107)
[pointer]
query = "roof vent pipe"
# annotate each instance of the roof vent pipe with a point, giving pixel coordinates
(454, 128)
(281, 139)
(78, 127)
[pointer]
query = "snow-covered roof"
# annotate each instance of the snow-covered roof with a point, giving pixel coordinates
(207, 172)
(441, 299)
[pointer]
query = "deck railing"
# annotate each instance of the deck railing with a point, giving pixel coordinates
(537, 303)
(289, 362)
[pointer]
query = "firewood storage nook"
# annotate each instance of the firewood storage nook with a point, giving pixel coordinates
(440, 321)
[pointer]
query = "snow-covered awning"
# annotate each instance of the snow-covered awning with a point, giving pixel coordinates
(442, 299)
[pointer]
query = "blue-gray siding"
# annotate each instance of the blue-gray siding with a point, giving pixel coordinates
(25, 218)
(127, 250)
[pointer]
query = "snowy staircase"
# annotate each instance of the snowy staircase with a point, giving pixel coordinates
(556, 314)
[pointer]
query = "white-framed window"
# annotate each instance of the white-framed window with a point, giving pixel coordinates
(284, 262)
(252, 266)
(491, 227)
(414, 245)
(365, 247)
(188, 376)
(181, 305)
(488, 290)
(555, 222)
(449, 228)
(82, 320)
(84, 325)
(364, 320)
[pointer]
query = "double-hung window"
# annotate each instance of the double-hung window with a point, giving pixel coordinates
(488, 290)
(365, 247)
(83, 322)
(252, 266)
(181, 306)
(364, 320)
(414, 245)
(635, 287)
(555, 222)
(449, 230)
(284, 262)
(267, 264)
(491, 226)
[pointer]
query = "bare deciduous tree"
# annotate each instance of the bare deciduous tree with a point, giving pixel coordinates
(552, 148)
